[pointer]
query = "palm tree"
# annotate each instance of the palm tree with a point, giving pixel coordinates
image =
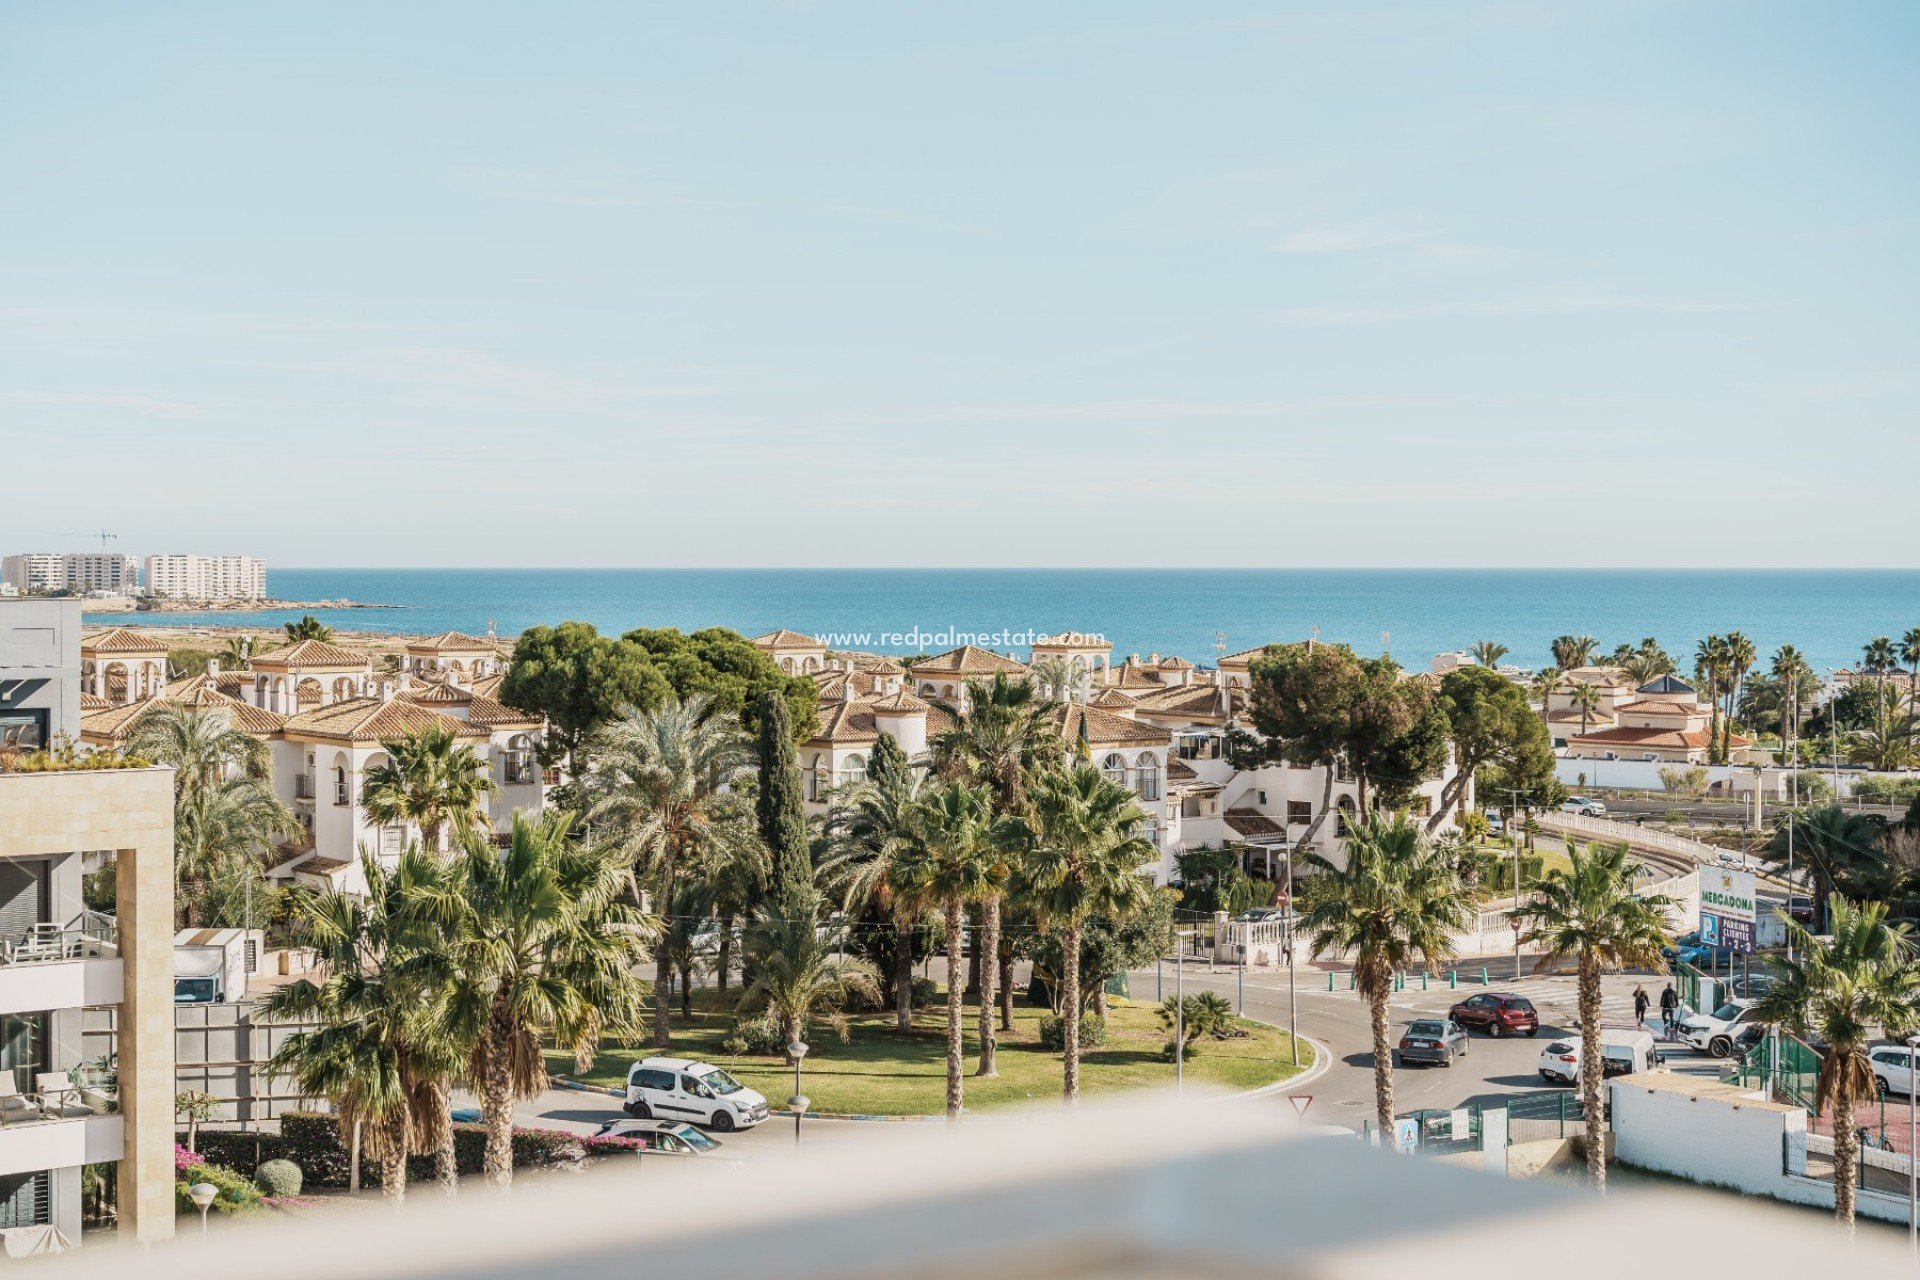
(1083, 863)
(378, 1046)
(1546, 683)
(200, 743)
(1396, 901)
(1587, 698)
(1879, 659)
(430, 780)
(1740, 657)
(1790, 668)
(1573, 651)
(1844, 989)
(1004, 735)
(237, 651)
(1838, 851)
(796, 975)
(1887, 746)
(224, 832)
(536, 943)
(1488, 653)
(1910, 654)
(308, 628)
(1588, 913)
(953, 858)
(659, 782)
(869, 837)
(1710, 669)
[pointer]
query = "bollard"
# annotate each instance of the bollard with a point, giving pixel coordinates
(1483, 976)
(1424, 976)
(1349, 979)
(1453, 979)
(1329, 983)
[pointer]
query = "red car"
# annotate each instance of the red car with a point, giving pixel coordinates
(1498, 1013)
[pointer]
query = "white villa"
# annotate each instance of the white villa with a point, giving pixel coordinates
(324, 712)
(1157, 724)
(1663, 720)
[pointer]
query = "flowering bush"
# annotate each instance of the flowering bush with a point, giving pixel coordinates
(599, 1145)
(184, 1159)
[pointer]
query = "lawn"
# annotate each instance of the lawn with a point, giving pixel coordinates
(880, 1072)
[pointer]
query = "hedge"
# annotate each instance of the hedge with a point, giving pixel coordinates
(311, 1140)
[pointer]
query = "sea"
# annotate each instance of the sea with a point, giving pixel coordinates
(1197, 614)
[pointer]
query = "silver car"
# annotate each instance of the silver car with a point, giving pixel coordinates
(1431, 1040)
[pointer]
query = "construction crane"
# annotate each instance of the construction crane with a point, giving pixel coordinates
(101, 534)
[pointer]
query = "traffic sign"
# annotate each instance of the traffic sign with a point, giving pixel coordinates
(1300, 1101)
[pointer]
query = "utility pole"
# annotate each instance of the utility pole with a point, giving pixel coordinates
(1293, 1007)
(1514, 794)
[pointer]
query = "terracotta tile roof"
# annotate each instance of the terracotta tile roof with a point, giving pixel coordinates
(231, 682)
(311, 653)
(841, 723)
(1571, 715)
(874, 664)
(488, 686)
(438, 693)
(1207, 700)
(1131, 675)
(318, 866)
(1179, 770)
(1112, 700)
(203, 693)
(127, 640)
(492, 714)
(1672, 738)
(785, 639)
(93, 702)
(902, 703)
(373, 720)
(114, 724)
(1252, 824)
(1104, 729)
(454, 642)
(1660, 707)
(1240, 661)
(1173, 662)
(968, 660)
(836, 684)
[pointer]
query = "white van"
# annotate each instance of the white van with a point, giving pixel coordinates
(1622, 1053)
(688, 1089)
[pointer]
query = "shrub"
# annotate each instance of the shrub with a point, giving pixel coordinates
(532, 1149)
(278, 1179)
(1093, 1032)
(924, 991)
(237, 1194)
(761, 1035)
(312, 1141)
(240, 1151)
(602, 1145)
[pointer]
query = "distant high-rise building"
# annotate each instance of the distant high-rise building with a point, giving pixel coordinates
(80, 571)
(189, 577)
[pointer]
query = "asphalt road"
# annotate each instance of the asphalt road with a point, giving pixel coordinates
(1491, 1073)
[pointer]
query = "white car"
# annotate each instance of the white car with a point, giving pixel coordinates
(1621, 1053)
(1585, 806)
(688, 1089)
(1892, 1070)
(1714, 1032)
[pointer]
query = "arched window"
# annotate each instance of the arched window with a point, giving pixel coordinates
(341, 794)
(1115, 768)
(307, 693)
(519, 766)
(855, 770)
(810, 780)
(1343, 811)
(1148, 779)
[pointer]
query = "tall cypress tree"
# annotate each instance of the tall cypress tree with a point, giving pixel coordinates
(886, 760)
(783, 823)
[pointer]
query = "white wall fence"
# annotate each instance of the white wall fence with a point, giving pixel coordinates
(1607, 829)
(1644, 775)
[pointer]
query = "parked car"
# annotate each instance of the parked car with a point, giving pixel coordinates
(1496, 825)
(1431, 1040)
(1261, 915)
(1729, 858)
(1714, 1032)
(688, 1089)
(1498, 1014)
(1585, 806)
(1621, 1053)
(666, 1137)
(467, 1115)
(1800, 907)
(1892, 1069)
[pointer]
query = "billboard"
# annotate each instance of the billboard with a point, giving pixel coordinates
(1728, 909)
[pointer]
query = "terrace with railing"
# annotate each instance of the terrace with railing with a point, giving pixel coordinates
(91, 935)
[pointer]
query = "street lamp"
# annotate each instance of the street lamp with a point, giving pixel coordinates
(1180, 1011)
(203, 1194)
(1293, 1007)
(799, 1101)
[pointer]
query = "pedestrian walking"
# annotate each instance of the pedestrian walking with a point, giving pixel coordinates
(1669, 1008)
(1640, 1003)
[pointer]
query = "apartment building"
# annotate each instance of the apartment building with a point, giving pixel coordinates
(191, 577)
(45, 572)
(60, 961)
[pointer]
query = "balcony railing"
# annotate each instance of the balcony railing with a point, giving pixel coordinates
(303, 786)
(91, 935)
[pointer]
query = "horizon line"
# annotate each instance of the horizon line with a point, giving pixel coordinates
(1073, 568)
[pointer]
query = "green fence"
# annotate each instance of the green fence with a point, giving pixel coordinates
(1532, 1117)
(1698, 992)
(1793, 1077)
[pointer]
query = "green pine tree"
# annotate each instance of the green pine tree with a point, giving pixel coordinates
(886, 760)
(783, 823)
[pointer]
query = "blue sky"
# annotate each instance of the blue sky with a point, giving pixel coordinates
(1340, 283)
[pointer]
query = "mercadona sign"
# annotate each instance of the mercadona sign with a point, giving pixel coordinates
(1727, 909)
